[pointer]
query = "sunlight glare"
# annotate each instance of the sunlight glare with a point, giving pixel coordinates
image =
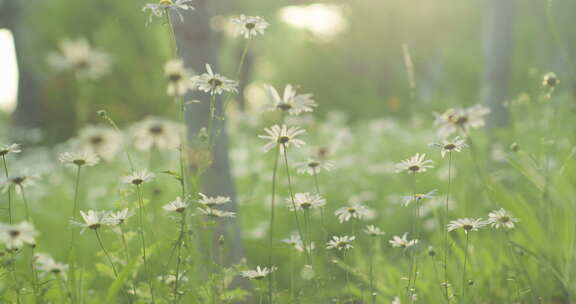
(8, 72)
(323, 20)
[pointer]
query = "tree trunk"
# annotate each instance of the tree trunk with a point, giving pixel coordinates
(498, 42)
(198, 45)
(28, 110)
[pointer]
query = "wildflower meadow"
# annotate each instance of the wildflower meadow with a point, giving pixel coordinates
(200, 152)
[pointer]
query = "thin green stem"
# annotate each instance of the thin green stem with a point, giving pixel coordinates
(26, 207)
(111, 122)
(126, 251)
(371, 270)
(271, 236)
(445, 227)
(72, 256)
(237, 75)
(464, 285)
(291, 192)
(9, 189)
(106, 252)
(143, 240)
(211, 120)
(179, 255)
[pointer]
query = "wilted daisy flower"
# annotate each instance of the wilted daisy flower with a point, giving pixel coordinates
(164, 6)
(550, 80)
(178, 78)
(17, 235)
(177, 205)
(214, 83)
(138, 178)
(100, 140)
(314, 166)
(290, 101)
(502, 219)
(213, 201)
(216, 213)
(7, 149)
(451, 145)
(407, 199)
(460, 120)
(372, 230)
(415, 164)
(156, 133)
(250, 26)
(305, 201)
(258, 274)
(402, 242)
(78, 56)
(467, 224)
(93, 219)
(357, 211)
(340, 242)
(118, 217)
(79, 158)
(47, 265)
(282, 135)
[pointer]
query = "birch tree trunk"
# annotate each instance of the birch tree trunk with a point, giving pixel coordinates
(28, 110)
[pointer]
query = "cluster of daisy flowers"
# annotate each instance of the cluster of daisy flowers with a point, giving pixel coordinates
(100, 143)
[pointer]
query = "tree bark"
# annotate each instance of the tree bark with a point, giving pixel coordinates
(28, 109)
(198, 45)
(498, 44)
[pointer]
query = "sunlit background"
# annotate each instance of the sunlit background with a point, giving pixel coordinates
(366, 58)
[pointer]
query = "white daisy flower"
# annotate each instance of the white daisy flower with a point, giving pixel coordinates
(402, 242)
(78, 56)
(305, 201)
(550, 80)
(92, 220)
(138, 178)
(177, 205)
(250, 26)
(213, 201)
(314, 166)
(79, 158)
(451, 145)
(296, 242)
(460, 120)
(407, 199)
(12, 148)
(18, 180)
(502, 219)
(100, 140)
(216, 213)
(340, 242)
(415, 164)
(47, 265)
(178, 77)
(164, 6)
(214, 83)
(118, 217)
(354, 211)
(156, 133)
(258, 274)
(372, 230)
(467, 224)
(282, 135)
(17, 235)
(290, 101)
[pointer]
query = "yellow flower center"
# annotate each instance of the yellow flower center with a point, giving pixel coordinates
(165, 2)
